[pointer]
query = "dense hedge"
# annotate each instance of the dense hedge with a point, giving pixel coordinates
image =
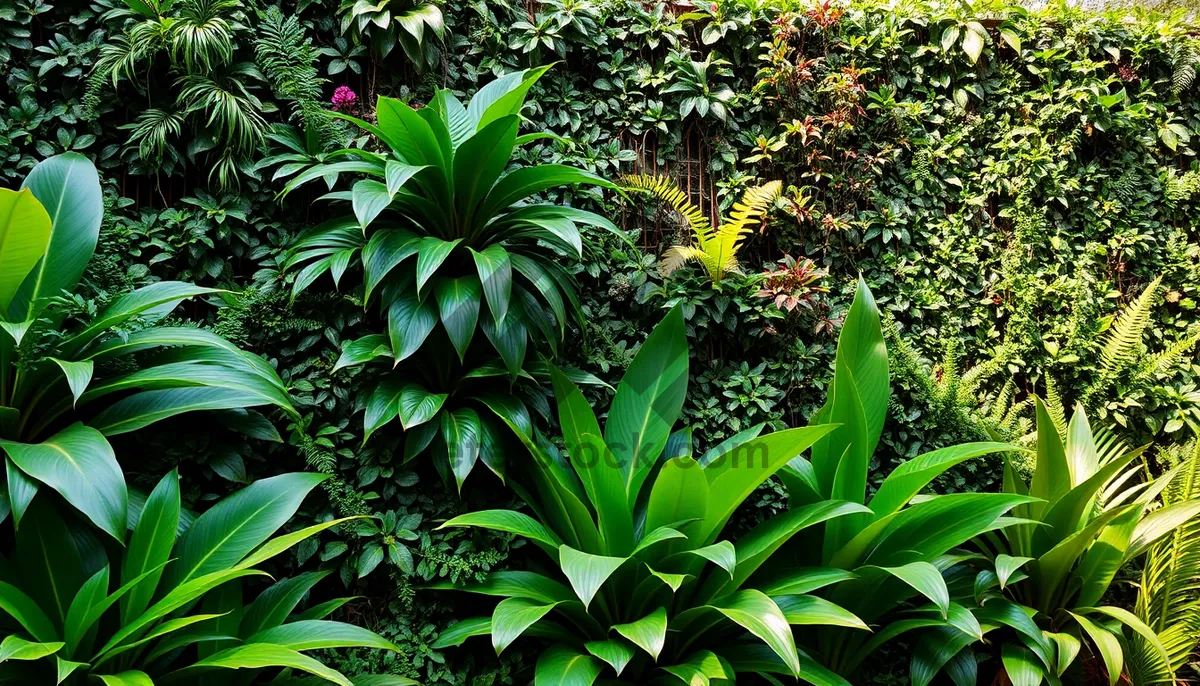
(1004, 181)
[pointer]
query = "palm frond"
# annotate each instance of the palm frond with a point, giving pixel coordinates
(202, 37)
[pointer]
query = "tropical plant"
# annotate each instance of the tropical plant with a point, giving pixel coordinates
(1168, 600)
(412, 23)
(61, 357)
(900, 547)
(717, 249)
(633, 522)
(167, 605)
(693, 80)
(1060, 557)
(1128, 368)
(215, 93)
(483, 253)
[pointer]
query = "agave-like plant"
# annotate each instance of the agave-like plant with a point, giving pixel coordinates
(645, 585)
(115, 369)
(895, 555)
(1058, 561)
(449, 242)
(166, 607)
(715, 249)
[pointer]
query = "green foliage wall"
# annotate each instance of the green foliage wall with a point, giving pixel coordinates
(1003, 180)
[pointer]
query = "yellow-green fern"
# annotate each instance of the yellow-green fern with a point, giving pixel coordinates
(715, 249)
(1169, 594)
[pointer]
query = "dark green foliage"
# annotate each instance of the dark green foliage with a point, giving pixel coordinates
(1001, 208)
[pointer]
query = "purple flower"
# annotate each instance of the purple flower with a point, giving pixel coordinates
(343, 98)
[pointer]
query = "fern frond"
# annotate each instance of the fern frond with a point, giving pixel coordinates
(1165, 360)
(747, 214)
(678, 255)
(665, 190)
(1169, 595)
(1123, 345)
(1055, 407)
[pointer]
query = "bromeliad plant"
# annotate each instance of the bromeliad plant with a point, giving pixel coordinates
(166, 606)
(1090, 519)
(715, 249)
(895, 551)
(645, 585)
(112, 368)
(449, 242)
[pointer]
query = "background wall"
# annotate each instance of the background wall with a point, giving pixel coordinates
(1004, 180)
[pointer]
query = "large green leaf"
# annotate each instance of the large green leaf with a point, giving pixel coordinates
(26, 612)
(616, 652)
(68, 187)
(559, 665)
(913, 475)
(513, 616)
(386, 249)
(79, 463)
(759, 615)
(679, 494)
(1108, 645)
(150, 546)
(508, 521)
(50, 561)
(649, 633)
(756, 547)
(495, 274)
(24, 235)
(462, 433)
(1051, 473)
(479, 161)
(734, 476)
(431, 253)
(648, 401)
(415, 405)
(411, 135)
(317, 635)
(16, 648)
(458, 303)
(369, 198)
(801, 610)
(132, 677)
(524, 182)
(260, 655)
(503, 96)
(143, 409)
(861, 348)
(273, 606)
(410, 321)
(587, 572)
(228, 531)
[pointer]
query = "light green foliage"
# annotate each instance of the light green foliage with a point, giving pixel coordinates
(1167, 600)
(176, 610)
(899, 549)
(1091, 518)
(53, 364)
(648, 584)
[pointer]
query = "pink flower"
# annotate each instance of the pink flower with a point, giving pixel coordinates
(343, 98)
